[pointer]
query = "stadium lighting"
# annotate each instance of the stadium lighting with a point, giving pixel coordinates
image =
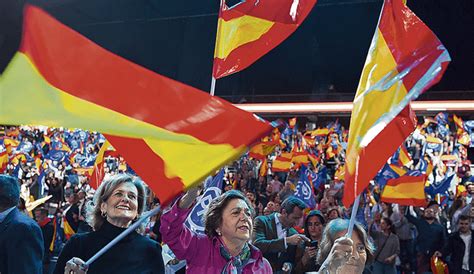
(347, 107)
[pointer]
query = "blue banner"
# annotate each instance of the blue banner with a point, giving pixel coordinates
(304, 191)
(440, 187)
(212, 191)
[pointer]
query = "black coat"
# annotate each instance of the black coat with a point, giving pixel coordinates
(134, 254)
(455, 249)
(21, 245)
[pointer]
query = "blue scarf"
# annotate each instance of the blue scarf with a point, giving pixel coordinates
(235, 264)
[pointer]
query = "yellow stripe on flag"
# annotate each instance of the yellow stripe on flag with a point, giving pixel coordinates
(237, 32)
(376, 101)
(65, 110)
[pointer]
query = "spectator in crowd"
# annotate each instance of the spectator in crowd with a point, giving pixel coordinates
(47, 229)
(275, 236)
(341, 254)
(460, 248)
(118, 202)
(431, 238)
(388, 248)
(225, 248)
(405, 232)
(21, 240)
(313, 229)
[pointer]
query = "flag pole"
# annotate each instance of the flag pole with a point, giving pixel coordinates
(121, 236)
(213, 86)
(213, 79)
(355, 205)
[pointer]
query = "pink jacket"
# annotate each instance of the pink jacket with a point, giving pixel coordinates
(202, 254)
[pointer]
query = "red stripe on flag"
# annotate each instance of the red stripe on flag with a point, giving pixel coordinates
(385, 143)
(275, 11)
(58, 53)
(246, 54)
(137, 151)
(410, 41)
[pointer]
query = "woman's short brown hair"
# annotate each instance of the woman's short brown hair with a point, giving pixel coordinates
(213, 217)
(94, 216)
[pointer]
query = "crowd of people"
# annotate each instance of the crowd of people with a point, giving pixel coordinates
(260, 224)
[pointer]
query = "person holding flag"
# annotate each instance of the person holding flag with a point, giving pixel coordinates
(118, 203)
(225, 247)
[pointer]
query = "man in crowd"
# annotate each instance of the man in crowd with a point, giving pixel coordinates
(21, 240)
(47, 229)
(431, 237)
(275, 236)
(460, 248)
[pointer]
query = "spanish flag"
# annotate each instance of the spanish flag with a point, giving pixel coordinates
(321, 132)
(281, 164)
(459, 124)
(3, 161)
(262, 149)
(250, 29)
(405, 58)
(404, 158)
(98, 172)
(171, 134)
(406, 190)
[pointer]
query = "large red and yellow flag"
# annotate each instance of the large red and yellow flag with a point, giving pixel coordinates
(405, 58)
(171, 134)
(405, 190)
(250, 29)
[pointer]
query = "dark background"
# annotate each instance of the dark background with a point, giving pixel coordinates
(321, 61)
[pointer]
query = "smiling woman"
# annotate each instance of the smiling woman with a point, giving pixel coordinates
(225, 247)
(118, 202)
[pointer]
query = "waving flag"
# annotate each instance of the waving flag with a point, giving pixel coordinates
(3, 161)
(171, 134)
(281, 164)
(440, 187)
(213, 190)
(405, 190)
(250, 29)
(262, 150)
(304, 187)
(402, 157)
(405, 58)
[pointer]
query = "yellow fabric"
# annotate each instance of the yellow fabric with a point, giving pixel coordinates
(22, 80)
(237, 32)
(407, 191)
(372, 101)
(431, 139)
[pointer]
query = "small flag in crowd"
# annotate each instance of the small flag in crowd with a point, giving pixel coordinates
(406, 190)
(212, 191)
(405, 58)
(281, 164)
(250, 29)
(262, 150)
(442, 186)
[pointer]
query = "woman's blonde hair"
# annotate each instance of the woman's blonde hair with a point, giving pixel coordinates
(106, 188)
